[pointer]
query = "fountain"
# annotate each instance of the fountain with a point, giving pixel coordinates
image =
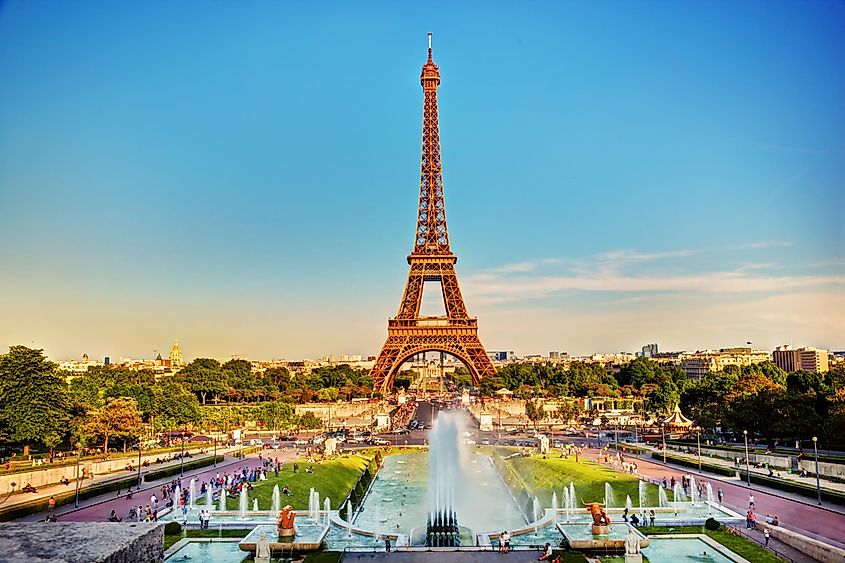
(678, 492)
(693, 490)
(327, 507)
(554, 505)
(313, 504)
(662, 499)
(628, 504)
(566, 502)
(275, 502)
(192, 493)
(442, 528)
(209, 498)
(222, 499)
(244, 499)
(255, 505)
(609, 501)
(642, 493)
(177, 496)
(709, 489)
(349, 512)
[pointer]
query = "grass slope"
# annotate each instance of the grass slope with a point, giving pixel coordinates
(331, 478)
(544, 476)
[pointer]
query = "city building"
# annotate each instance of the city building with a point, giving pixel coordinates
(649, 350)
(502, 356)
(699, 363)
(807, 359)
(176, 355)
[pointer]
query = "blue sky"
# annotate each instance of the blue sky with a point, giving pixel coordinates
(243, 176)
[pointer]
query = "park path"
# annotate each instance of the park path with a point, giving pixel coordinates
(825, 525)
(97, 509)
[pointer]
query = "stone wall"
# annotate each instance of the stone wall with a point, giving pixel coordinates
(348, 409)
(814, 548)
(82, 542)
(42, 475)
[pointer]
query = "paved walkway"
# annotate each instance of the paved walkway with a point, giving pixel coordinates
(781, 474)
(97, 509)
(47, 491)
(808, 519)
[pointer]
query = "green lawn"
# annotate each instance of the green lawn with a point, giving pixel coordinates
(739, 545)
(170, 539)
(330, 478)
(544, 476)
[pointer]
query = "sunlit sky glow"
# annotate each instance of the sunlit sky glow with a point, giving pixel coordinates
(243, 176)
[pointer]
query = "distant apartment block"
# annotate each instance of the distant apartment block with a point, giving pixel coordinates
(697, 364)
(807, 359)
(649, 350)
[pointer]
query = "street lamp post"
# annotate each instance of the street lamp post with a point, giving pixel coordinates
(663, 434)
(818, 483)
(747, 464)
(78, 456)
(182, 457)
(215, 451)
(139, 463)
(698, 440)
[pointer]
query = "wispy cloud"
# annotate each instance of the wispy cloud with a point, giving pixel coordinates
(617, 272)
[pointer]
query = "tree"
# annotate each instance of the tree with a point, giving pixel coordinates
(567, 410)
(175, 405)
(534, 411)
(119, 417)
(34, 405)
(309, 422)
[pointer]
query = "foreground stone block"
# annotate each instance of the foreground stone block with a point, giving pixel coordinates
(82, 542)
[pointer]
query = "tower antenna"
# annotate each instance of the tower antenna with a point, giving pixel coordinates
(429, 40)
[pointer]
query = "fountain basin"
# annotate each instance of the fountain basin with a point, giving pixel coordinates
(308, 537)
(581, 538)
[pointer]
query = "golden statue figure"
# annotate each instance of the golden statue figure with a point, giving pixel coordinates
(285, 523)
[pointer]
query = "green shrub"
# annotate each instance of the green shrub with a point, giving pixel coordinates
(710, 468)
(172, 528)
(835, 497)
(173, 470)
(712, 524)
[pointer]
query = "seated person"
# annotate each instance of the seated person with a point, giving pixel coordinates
(547, 553)
(635, 521)
(29, 489)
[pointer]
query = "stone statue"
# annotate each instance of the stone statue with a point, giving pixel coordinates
(632, 547)
(262, 549)
(600, 517)
(285, 522)
(632, 543)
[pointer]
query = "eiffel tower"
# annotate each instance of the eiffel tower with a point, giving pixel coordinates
(431, 260)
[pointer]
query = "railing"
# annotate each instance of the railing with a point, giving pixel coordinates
(735, 530)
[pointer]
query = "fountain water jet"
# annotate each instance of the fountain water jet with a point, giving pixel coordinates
(244, 499)
(554, 505)
(209, 497)
(609, 501)
(327, 507)
(349, 512)
(255, 505)
(222, 499)
(628, 504)
(275, 502)
(709, 489)
(662, 499)
(642, 493)
(442, 523)
(192, 493)
(693, 490)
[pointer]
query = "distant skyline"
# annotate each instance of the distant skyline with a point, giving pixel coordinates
(243, 177)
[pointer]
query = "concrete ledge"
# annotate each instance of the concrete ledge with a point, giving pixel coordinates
(82, 542)
(812, 547)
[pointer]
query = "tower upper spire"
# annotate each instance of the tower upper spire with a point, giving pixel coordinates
(431, 236)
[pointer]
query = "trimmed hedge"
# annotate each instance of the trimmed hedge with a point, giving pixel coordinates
(65, 497)
(808, 456)
(175, 469)
(709, 467)
(628, 448)
(834, 497)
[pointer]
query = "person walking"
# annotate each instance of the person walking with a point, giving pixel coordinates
(506, 542)
(766, 535)
(720, 494)
(751, 501)
(51, 504)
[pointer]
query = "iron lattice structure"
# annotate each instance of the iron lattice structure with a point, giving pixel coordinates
(409, 334)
